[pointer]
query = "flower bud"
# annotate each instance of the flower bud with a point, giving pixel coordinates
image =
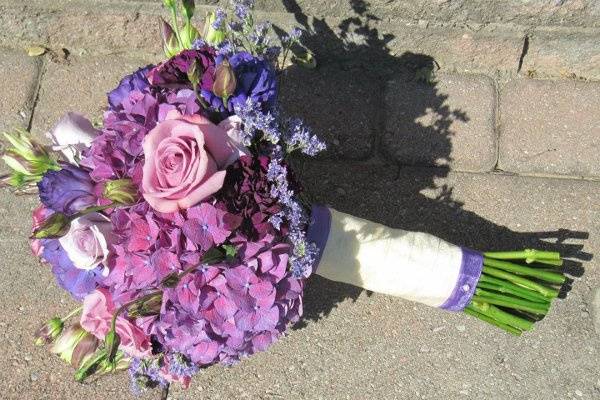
(86, 347)
(112, 340)
(188, 35)
(225, 82)
(146, 306)
(211, 35)
(169, 39)
(27, 159)
(194, 73)
(55, 226)
(48, 332)
(121, 191)
(66, 343)
(188, 9)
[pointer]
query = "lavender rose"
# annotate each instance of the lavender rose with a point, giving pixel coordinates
(67, 190)
(87, 241)
(72, 135)
(186, 158)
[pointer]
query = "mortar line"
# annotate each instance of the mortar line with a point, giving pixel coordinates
(497, 124)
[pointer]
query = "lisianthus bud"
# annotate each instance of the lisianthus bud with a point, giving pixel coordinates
(56, 226)
(188, 8)
(111, 344)
(225, 82)
(28, 159)
(213, 36)
(66, 343)
(49, 331)
(169, 39)
(121, 191)
(194, 73)
(188, 35)
(86, 347)
(146, 306)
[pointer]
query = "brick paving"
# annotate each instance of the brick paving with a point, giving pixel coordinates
(481, 156)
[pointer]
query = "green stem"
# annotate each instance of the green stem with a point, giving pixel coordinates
(509, 288)
(552, 277)
(176, 26)
(501, 316)
(546, 291)
(509, 302)
(89, 367)
(556, 263)
(94, 209)
(72, 313)
(145, 297)
(471, 311)
(529, 255)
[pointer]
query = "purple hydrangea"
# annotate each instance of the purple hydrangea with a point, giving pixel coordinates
(67, 190)
(78, 282)
(224, 312)
(136, 81)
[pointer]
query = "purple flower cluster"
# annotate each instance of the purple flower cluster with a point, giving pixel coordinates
(298, 136)
(226, 311)
(213, 310)
(256, 121)
(78, 282)
(304, 252)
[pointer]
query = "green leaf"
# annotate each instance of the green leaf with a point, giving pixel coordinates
(230, 251)
(36, 51)
(306, 60)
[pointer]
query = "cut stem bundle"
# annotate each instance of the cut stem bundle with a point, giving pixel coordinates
(513, 296)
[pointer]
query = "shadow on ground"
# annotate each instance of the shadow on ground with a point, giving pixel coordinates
(343, 99)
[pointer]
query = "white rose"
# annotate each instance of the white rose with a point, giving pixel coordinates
(87, 241)
(73, 134)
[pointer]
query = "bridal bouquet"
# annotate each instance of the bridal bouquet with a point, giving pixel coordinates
(178, 222)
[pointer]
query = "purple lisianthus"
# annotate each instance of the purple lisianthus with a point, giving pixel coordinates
(67, 190)
(136, 81)
(255, 79)
(78, 282)
(173, 73)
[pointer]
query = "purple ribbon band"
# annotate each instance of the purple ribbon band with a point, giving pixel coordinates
(318, 230)
(468, 277)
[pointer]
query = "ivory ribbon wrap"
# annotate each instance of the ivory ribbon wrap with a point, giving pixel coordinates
(413, 265)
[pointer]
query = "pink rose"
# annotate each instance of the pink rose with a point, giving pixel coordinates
(98, 310)
(186, 158)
